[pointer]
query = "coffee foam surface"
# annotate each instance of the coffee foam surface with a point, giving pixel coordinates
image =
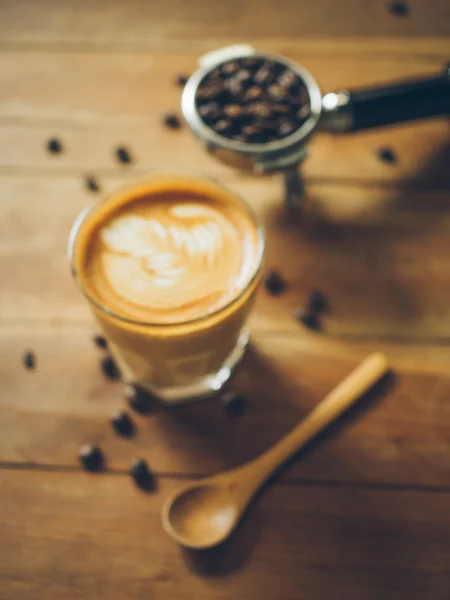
(168, 258)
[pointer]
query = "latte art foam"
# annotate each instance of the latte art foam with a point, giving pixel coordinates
(166, 259)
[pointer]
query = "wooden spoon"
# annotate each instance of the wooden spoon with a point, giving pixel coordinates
(204, 513)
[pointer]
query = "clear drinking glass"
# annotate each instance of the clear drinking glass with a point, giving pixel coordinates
(175, 361)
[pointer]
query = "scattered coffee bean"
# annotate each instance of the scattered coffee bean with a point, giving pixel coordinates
(274, 283)
(317, 302)
(54, 146)
(398, 8)
(91, 458)
(29, 360)
(181, 80)
(109, 368)
(123, 155)
(123, 424)
(142, 475)
(140, 400)
(234, 404)
(172, 121)
(91, 183)
(387, 155)
(100, 342)
(309, 319)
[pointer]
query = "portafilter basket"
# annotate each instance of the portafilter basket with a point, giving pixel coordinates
(337, 112)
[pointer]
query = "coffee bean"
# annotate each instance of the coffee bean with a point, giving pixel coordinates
(123, 155)
(181, 80)
(230, 67)
(29, 359)
(239, 138)
(234, 86)
(398, 8)
(387, 155)
(287, 79)
(309, 319)
(303, 112)
(142, 475)
(109, 368)
(253, 93)
(233, 111)
(252, 132)
(172, 121)
(100, 342)
(243, 75)
(91, 183)
(251, 62)
(277, 92)
(280, 109)
(317, 301)
(223, 126)
(91, 458)
(234, 404)
(274, 283)
(211, 110)
(286, 128)
(209, 91)
(139, 399)
(263, 75)
(122, 424)
(54, 146)
(259, 109)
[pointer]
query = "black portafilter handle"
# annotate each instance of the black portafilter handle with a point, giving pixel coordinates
(398, 102)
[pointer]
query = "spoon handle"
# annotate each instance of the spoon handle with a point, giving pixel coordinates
(354, 385)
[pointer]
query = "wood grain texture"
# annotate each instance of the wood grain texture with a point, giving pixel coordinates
(399, 435)
(95, 88)
(116, 23)
(67, 535)
(362, 515)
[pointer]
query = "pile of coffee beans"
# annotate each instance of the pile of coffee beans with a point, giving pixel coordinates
(253, 100)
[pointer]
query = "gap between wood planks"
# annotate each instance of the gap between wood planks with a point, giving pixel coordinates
(286, 481)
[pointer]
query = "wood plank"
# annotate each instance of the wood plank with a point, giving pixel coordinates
(381, 255)
(97, 22)
(422, 150)
(93, 88)
(401, 435)
(73, 535)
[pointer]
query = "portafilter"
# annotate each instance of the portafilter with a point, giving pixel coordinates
(241, 68)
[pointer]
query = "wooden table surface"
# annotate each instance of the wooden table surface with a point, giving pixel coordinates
(365, 514)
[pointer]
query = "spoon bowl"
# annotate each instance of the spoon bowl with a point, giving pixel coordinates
(201, 515)
(204, 513)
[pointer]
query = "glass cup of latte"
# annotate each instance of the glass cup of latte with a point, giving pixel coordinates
(170, 265)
